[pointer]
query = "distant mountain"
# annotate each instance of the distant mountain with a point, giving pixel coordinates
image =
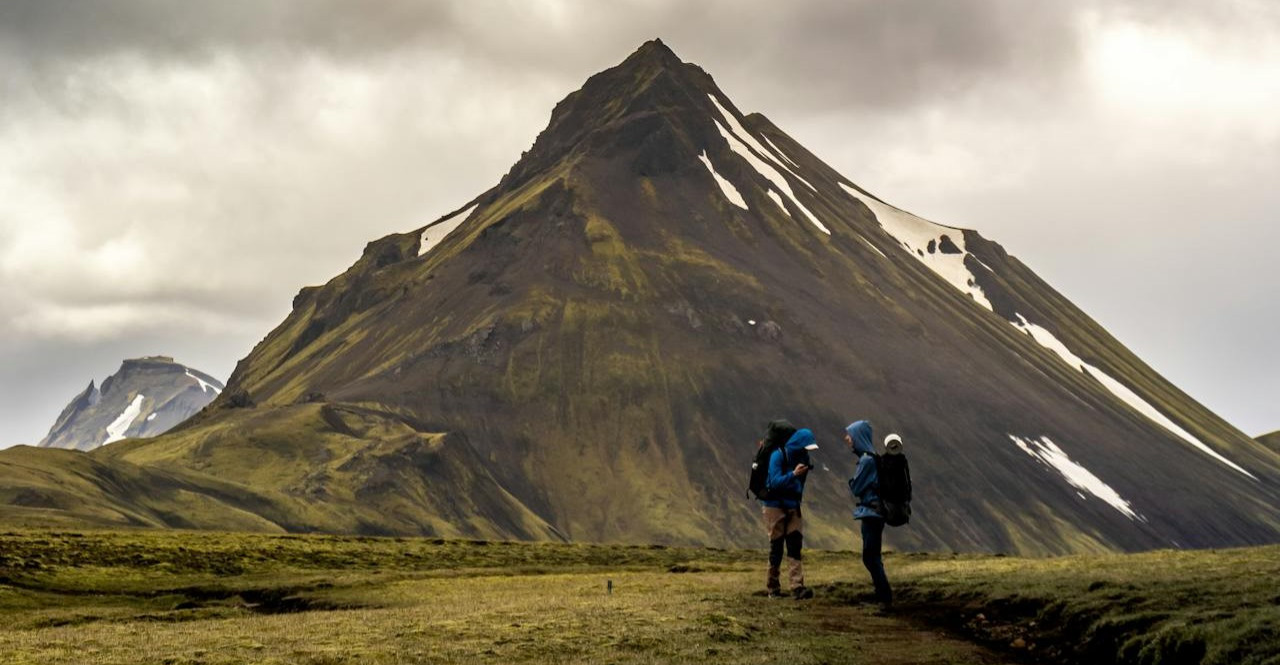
(1271, 440)
(145, 397)
(590, 349)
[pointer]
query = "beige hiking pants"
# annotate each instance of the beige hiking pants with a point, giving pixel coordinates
(783, 526)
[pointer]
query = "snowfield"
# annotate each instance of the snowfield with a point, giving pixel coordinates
(1050, 341)
(730, 192)
(433, 234)
(917, 234)
(745, 144)
(1049, 454)
(204, 385)
(118, 427)
(771, 174)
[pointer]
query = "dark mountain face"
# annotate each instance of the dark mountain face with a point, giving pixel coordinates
(145, 397)
(604, 334)
(1271, 441)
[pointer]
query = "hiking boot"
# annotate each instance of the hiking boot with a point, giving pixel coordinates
(775, 593)
(802, 593)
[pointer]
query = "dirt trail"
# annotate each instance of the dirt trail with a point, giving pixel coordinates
(872, 637)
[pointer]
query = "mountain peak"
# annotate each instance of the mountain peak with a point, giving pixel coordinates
(623, 103)
(145, 397)
(653, 51)
(148, 361)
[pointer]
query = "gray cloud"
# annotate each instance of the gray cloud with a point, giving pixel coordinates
(171, 173)
(71, 29)
(881, 53)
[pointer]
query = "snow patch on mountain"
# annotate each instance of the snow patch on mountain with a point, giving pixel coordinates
(1049, 454)
(730, 192)
(749, 139)
(778, 151)
(770, 173)
(778, 200)
(204, 385)
(738, 130)
(1050, 341)
(433, 234)
(924, 240)
(117, 428)
(873, 247)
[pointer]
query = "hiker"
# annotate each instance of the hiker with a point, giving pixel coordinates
(777, 432)
(865, 486)
(788, 468)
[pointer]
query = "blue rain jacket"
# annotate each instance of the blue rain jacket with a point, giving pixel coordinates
(865, 483)
(782, 466)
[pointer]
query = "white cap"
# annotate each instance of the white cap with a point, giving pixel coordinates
(893, 444)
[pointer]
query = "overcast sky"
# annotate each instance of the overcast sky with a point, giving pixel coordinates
(171, 173)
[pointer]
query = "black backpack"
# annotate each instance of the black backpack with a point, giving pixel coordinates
(894, 487)
(776, 436)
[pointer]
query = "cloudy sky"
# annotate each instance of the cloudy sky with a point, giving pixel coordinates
(171, 173)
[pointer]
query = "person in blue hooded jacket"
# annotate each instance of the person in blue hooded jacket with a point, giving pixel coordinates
(788, 469)
(865, 486)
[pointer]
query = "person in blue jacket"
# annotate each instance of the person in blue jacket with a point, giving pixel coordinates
(865, 486)
(788, 469)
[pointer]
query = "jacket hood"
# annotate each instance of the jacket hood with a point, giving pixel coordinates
(860, 432)
(799, 440)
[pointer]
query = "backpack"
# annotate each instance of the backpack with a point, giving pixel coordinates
(894, 475)
(776, 436)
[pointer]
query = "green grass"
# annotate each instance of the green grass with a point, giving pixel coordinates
(1217, 607)
(197, 597)
(201, 597)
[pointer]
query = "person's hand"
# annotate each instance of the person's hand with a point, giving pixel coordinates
(800, 470)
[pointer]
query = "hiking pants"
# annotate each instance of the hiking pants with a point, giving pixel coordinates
(783, 526)
(872, 538)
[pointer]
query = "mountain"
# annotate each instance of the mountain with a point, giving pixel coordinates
(589, 350)
(1271, 441)
(145, 397)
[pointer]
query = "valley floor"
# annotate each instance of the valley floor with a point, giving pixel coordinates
(183, 597)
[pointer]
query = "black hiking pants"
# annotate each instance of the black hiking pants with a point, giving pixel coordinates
(872, 541)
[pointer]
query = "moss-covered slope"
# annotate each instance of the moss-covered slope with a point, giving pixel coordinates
(1271, 441)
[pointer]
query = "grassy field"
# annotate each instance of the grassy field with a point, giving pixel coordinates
(198, 597)
(1219, 607)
